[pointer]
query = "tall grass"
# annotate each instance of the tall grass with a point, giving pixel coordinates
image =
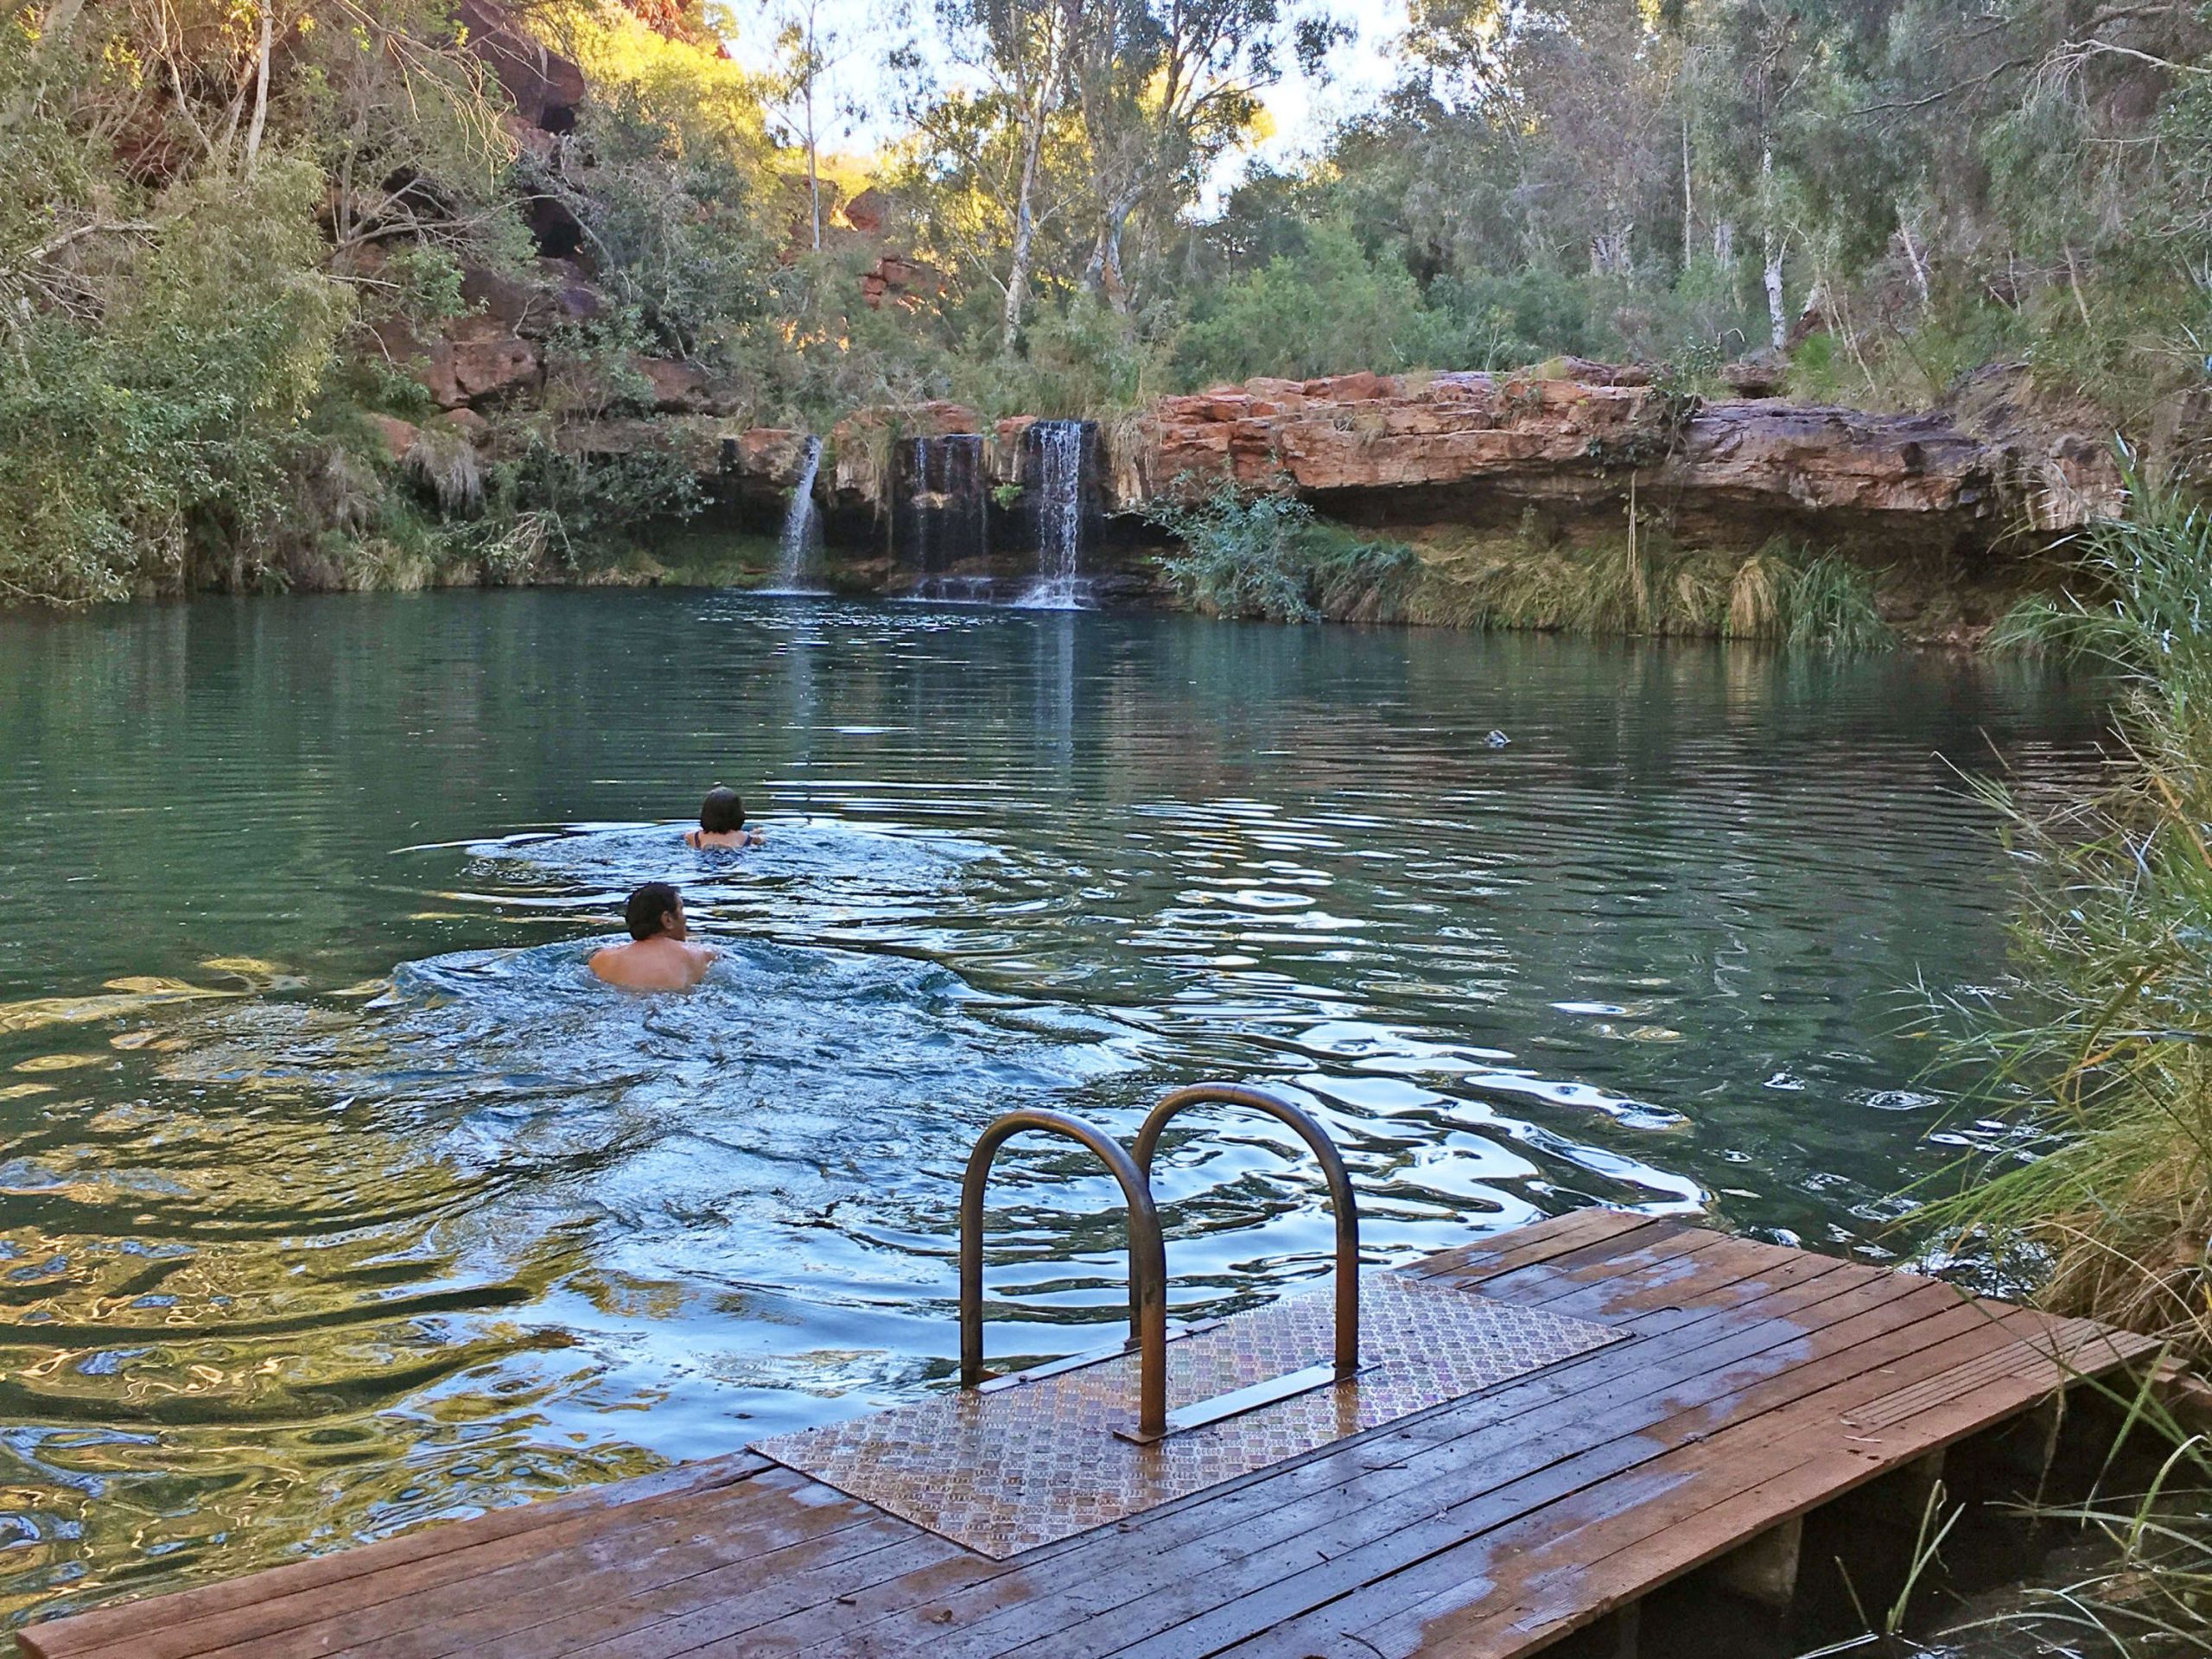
(1651, 587)
(2110, 1034)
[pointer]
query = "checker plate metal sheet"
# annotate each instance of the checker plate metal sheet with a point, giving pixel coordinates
(1009, 1471)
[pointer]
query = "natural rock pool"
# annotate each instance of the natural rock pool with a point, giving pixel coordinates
(335, 1197)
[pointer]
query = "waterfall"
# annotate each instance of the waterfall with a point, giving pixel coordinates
(1058, 513)
(802, 526)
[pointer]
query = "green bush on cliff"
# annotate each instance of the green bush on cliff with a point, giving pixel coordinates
(165, 417)
(1268, 556)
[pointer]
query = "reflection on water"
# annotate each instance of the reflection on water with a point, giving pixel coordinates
(336, 1196)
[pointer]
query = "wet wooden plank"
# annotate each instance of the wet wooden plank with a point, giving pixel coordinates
(1554, 1567)
(343, 1576)
(1357, 1547)
(1502, 1252)
(785, 1524)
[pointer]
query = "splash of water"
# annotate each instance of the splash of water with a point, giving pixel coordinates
(802, 526)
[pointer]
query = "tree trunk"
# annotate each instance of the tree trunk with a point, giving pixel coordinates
(1777, 318)
(813, 170)
(1610, 254)
(260, 92)
(1024, 239)
(1724, 245)
(1690, 204)
(1914, 257)
(1772, 249)
(1101, 272)
(58, 24)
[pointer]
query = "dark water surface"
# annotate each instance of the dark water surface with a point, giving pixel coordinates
(335, 1197)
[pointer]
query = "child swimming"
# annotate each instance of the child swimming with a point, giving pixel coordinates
(721, 823)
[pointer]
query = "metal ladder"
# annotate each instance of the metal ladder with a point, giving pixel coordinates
(1149, 1331)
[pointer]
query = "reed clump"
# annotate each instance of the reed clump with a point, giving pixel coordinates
(1650, 587)
(2107, 1034)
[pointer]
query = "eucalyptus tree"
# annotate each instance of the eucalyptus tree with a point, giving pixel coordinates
(809, 48)
(992, 142)
(1162, 88)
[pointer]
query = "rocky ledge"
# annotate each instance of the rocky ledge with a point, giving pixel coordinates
(1494, 448)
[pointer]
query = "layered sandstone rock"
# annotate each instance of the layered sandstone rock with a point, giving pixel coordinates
(1484, 448)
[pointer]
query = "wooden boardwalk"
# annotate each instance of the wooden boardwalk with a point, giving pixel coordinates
(1760, 1384)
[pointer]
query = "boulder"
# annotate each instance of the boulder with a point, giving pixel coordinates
(677, 388)
(868, 212)
(1762, 374)
(859, 446)
(546, 88)
(893, 278)
(773, 455)
(398, 435)
(515, 306)
(575, 299)
(478, 371)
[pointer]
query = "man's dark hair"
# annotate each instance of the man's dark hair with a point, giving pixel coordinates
(649, 909)
(722, 813)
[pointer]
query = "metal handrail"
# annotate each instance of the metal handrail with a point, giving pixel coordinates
(1332, 1169)
(1148, 1256)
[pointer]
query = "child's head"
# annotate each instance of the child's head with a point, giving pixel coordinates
(722, 812)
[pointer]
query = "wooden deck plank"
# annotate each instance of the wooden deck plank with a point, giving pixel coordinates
(788, 1523)
(1759, 1377)
(648, 1627)
(1502, 1252)
(107, 1631)
(1680, 1522)
(1770, 1272)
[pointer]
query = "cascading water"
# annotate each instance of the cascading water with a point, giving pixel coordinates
(1059, 513)
(802, 534)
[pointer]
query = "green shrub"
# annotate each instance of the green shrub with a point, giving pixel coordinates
(590, 509)
(1268, 556)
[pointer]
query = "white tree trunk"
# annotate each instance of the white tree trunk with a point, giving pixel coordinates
(1913, 255)
(260, 92)
(1609, 252)
(1724, 245)
(1690, 204)
(1776, 316)
(1773, 248)
(1025, 239)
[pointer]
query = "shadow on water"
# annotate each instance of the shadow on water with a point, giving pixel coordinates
(338, 1196)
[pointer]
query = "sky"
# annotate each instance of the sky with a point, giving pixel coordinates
(1302, 111)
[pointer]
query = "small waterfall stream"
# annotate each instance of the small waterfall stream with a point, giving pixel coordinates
(1060, 513)
(802, 537)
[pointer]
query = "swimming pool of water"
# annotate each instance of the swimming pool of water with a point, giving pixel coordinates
(335, 1197)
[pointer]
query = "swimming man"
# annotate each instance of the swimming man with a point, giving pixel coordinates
(721, 823)
(658, 957)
